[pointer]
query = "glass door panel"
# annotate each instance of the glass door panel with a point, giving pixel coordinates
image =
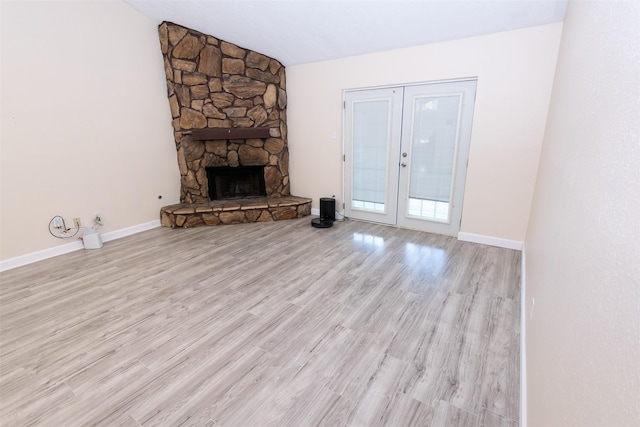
(433, 152)
(370, 160)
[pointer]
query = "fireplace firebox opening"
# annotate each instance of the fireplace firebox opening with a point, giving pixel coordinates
(236, 182)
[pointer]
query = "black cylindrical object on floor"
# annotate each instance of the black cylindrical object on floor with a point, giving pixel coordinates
(327, 213)
(328, 209)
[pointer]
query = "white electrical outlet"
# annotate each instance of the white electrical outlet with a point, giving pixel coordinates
(76, 222)
(533, 305)
(97, 219)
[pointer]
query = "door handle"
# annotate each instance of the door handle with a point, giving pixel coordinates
(404, 165)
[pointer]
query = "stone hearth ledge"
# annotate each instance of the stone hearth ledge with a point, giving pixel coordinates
(237, 211)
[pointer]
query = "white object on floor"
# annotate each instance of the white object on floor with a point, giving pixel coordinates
(91, 239)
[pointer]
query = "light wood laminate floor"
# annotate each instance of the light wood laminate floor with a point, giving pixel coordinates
(268, 324)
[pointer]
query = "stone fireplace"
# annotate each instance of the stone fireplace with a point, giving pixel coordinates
(228, 108)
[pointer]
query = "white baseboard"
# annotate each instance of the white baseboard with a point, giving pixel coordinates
(41, 255)
(76, 245)
(124, 232)
(491, 241)
(523, 340)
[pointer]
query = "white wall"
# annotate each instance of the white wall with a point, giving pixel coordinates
(582, 246)
(86, 125)
(515, 74)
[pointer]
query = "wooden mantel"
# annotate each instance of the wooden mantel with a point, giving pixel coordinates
(229, 133)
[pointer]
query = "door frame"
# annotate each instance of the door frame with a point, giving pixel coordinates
(455, 228)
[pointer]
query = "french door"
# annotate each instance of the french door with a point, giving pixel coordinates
(406, 152)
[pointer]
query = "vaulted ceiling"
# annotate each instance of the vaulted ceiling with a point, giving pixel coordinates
(303, 31)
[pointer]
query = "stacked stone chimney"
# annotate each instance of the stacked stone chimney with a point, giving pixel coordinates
(215, 84)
